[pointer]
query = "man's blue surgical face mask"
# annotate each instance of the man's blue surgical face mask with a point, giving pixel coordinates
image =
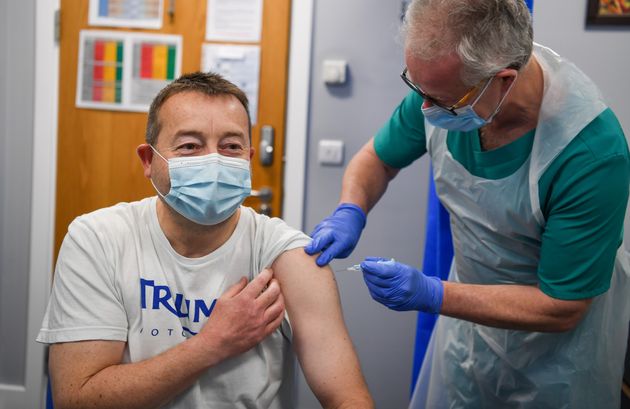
(207, 189)
(466, 119)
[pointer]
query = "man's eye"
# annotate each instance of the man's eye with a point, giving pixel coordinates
(233, 146)
(187, 147)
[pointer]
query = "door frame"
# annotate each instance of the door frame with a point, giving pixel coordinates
(33, 393)
(298, 102)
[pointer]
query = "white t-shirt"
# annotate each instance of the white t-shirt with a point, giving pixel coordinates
(118, 278)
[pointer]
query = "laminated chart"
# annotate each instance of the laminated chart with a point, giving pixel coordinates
(126, 13)
(103, 69)
(153, 67)
(123, 70)
(240, 64)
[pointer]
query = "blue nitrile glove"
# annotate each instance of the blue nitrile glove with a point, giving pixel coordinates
(402, 287)
(338, 234)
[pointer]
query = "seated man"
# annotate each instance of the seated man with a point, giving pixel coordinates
(149, 307)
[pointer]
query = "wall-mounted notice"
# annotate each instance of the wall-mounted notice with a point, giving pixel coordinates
(126, 13)
(124, 71)
(234, 20)
(238, 63)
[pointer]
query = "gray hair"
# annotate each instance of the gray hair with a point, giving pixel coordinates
(487, 35)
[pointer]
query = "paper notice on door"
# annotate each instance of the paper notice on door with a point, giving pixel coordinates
(240, 64)
(126, 13)
(234, 20)
(124, 71)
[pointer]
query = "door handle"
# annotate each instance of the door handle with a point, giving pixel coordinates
(266, 145)
(265, 194)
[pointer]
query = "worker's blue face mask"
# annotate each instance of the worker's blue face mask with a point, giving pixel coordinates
(466, 119)
(207, 189)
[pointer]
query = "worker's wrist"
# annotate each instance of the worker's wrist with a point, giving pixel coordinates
(436, 295)
(351, 208)
(428, 295)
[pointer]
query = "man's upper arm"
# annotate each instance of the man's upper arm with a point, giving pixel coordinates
(585, 215)
(84, 303)
(72, 364)
(402, 139)
(320, 338)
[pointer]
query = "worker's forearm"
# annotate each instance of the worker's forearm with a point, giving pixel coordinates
(366, 179)
(511, 306)
(359, 402)
(146, 384)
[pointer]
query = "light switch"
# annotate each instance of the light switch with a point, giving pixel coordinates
(330, 152)
(334, 72)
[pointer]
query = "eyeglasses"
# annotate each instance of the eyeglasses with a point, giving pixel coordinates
(427, 97)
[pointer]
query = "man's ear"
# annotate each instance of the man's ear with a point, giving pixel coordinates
(145, 153)
(507, 76)
(252, 150)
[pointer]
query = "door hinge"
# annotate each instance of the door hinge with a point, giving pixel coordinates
(57, 27)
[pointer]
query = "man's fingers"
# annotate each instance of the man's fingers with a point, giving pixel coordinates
(337, 249)
(376, 280)
(270, 294)
(258, 284)
(236, 288)
(320, 241)
(324, 259)
(274, 310)
(275, 323)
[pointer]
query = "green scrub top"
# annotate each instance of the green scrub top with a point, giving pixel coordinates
(583, 193)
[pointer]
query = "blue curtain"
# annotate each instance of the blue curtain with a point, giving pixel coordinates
(438, 254)
(530, 5)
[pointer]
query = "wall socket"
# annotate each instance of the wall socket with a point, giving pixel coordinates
(330, 152)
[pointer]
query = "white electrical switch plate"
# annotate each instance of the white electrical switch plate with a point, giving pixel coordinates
(330, 152)
(334, 72)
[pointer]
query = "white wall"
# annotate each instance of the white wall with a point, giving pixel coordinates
(363, 32)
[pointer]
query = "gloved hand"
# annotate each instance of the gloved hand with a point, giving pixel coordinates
(402, 287)
(338, 234)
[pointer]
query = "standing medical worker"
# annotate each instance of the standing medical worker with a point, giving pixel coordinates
(534, 169)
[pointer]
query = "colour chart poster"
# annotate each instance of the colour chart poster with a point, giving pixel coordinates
(126, 13)
(124, 71)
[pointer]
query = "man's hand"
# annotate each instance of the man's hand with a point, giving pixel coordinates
(244, 315)
(401, 287)
(338, 234)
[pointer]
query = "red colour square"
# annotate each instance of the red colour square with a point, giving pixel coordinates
(146, 61)
(99, 50)
(97, 93)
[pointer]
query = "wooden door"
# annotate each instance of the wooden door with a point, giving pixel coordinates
(97, 163)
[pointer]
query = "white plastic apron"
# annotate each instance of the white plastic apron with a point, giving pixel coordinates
(497, 226)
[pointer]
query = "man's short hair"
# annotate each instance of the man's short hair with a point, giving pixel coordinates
(207, 83)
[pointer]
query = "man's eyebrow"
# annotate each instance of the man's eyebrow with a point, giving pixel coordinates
(189, 132)
(237, 134)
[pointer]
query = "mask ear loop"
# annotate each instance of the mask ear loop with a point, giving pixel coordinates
(483, 91)
(496, 111)
(151, 179)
